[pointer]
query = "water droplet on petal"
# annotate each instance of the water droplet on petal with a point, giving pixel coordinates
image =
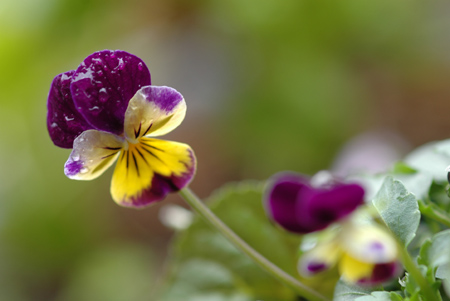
(140, 66)
(84, 170)
(103, 95)
(121, 65)
(76, 158)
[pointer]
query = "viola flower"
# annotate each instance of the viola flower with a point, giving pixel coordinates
(107, 110)
(363, 253)
(297, 206)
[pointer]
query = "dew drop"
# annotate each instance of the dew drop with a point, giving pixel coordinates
(103, 95)
(76, 158)
(84, 170)
(121, 65)
(140, 66)
(100, 72)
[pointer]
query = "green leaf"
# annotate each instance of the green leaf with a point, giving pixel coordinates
(399, 210)
(205, 266)
(381, 296)
(402, 168)
(417, 183)
(439, 251)
(431, 158)
(443, 272)
(348, 292)
(409, 286)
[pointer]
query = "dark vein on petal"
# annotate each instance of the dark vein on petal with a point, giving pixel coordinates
(148, 129)
(135, 163)
(142, 156)
(113, 148)
(128, 158)
(123, 155)
(108, 155)
(148, 151)
(154, 147)
(139, 130)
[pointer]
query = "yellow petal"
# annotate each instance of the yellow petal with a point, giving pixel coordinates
(353, 270)
(149, 170)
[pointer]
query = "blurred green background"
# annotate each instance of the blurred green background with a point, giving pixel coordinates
(270, 85)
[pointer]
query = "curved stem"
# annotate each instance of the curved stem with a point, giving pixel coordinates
(272, 269)
(414, 271)
(432, 211)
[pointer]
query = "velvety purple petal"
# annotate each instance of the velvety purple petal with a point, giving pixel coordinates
(64, 122)
(282, 202)
(382, 273)
(328, 206)
(160, 188)
(103, 85)
(303, 213)
(316, 267)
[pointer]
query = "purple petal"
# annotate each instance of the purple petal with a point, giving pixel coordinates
(298, 207)
(316, 267)
(382, 273)
(73, 168)
(103, 85)
(64, 123)
(282, 202)
(328, 206)
(160, 188)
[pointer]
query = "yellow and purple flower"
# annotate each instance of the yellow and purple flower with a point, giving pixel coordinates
(107, 110)
(363, 252)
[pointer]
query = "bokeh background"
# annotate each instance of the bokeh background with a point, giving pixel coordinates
(270, 85)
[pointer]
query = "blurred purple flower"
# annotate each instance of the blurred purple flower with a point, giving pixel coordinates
(108, 109)
(297, 206)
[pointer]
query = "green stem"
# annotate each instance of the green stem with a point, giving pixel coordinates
(414, 271)
(432, 211)
(272, 269)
